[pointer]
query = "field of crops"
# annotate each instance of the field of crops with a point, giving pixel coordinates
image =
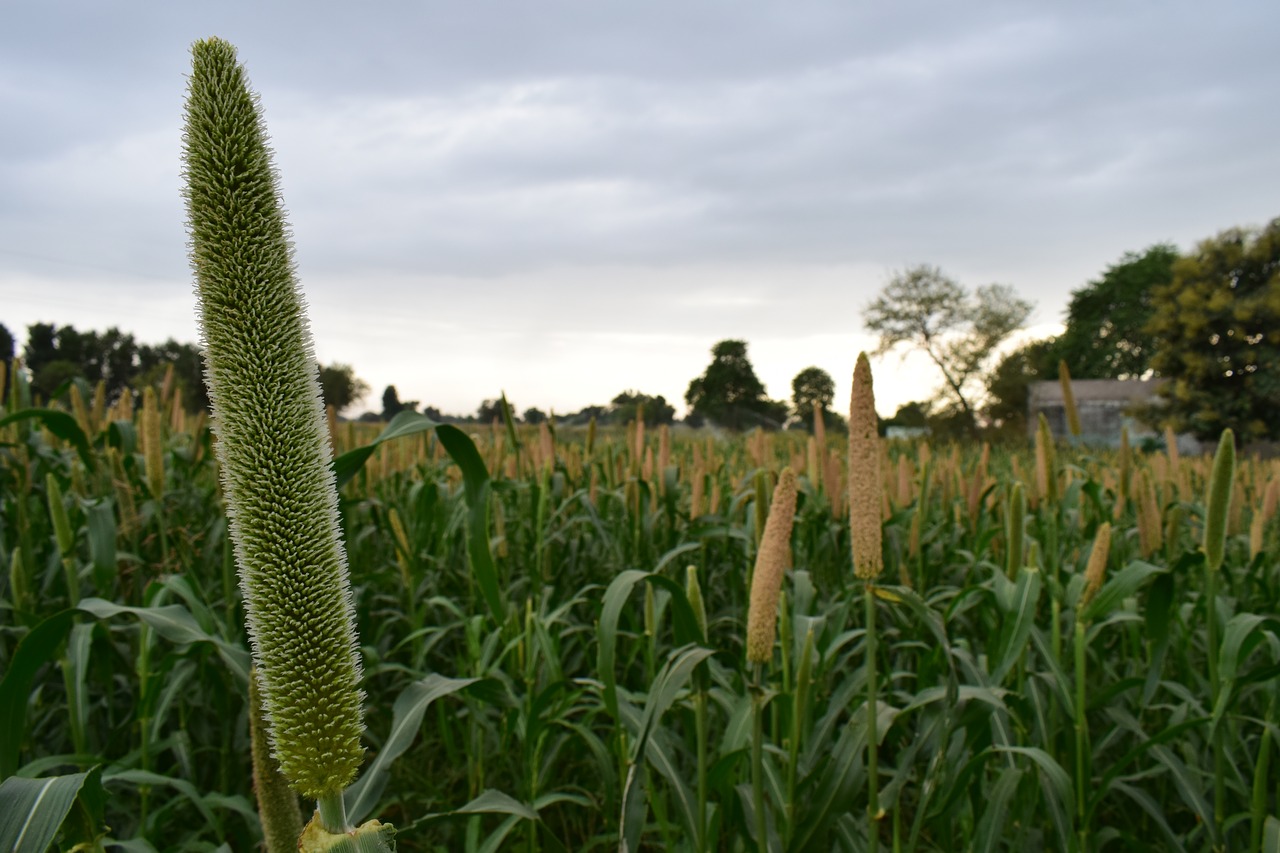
(554, 653)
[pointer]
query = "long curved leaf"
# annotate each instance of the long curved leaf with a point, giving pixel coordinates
(475, 484)
(36, 649)
(59, 423)
(406, 721)
(33, 810)
(176, 624)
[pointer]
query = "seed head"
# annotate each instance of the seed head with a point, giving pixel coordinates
(771, 563)
(269, 420)
(1096, 569)
(865, 477)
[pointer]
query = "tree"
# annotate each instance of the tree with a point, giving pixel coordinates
(340, 386)
(55, 354)
(730, 394)
(1107, 335)
(656, 409)
(188, 371)
(491, 409)
(959, 331)
(1217, 331)
(6, 355)
(1009, 386)
(534, 415)
(914, 414)
(812, 386)
(391, 405)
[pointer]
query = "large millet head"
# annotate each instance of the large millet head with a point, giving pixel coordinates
(271, 436)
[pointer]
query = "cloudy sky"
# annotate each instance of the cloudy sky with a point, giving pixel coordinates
(569, 199)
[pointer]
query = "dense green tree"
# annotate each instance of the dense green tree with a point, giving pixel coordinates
(1217, 331)
(959, 331)
(391, 405)
(188, 371)
(1009, 386)
(811, 386)
(490, 409)
(533, 415)
(656, 409)
(7, 353)
(55, 354)
(730, 394)
(913, 414)
(340, 386)
(1107, 334)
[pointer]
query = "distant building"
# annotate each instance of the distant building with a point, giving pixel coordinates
(1104, 406)
(906, 433)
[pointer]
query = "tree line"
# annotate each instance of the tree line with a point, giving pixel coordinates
(1207, 322)
(55, 355)
(728, 394)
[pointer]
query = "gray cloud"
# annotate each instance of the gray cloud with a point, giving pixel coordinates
(675, 166)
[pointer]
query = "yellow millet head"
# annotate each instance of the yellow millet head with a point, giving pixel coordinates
(865, 477)
(771, 564)
(1095, 571)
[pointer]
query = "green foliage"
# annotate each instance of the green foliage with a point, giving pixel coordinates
(55, 354)
(730, 394)
(1107, 334)
(959, 331)
(491, 410)
(6, 356)
(567, 706)
(340, 387)
(814, 386)
(623, 408)
(1217, 324)
(1009, 385)
(273, 445)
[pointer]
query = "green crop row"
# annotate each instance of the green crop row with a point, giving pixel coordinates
(596, 690)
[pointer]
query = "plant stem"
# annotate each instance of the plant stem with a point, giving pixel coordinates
(700, 725)
(1219, 772)
(757, 759)
(1082, 735)
(333, 813)
(872, 708)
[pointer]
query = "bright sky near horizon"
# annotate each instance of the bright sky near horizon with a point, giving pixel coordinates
(568, 199)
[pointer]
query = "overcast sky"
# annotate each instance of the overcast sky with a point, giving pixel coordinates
(569, 199)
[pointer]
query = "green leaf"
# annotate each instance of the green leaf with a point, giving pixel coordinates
(36, 649)
(406, 422)
(475, 483)
(203, 804)
(101, 521)
(488, 802)
(1017, 630)
(33, 810)
(1122, 585)
(993, 824)
(496, 802)
(669, 681)
(615, 598)
(406, 721)
(59, 423)
(1271, 835)
(176, 624)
